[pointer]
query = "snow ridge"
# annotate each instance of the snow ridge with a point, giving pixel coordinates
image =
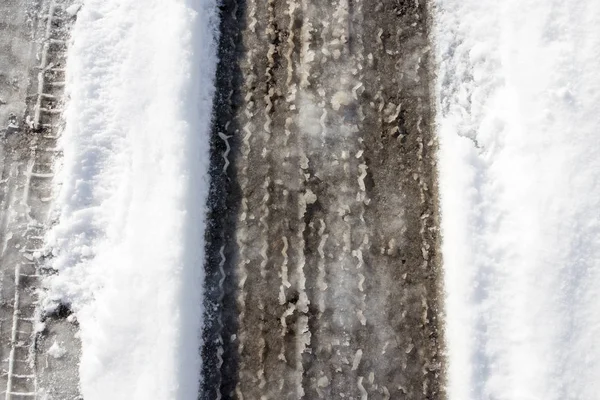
(519, 166)
(128, 242)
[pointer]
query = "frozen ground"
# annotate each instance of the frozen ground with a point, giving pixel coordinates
(518, 92)
(128, 242)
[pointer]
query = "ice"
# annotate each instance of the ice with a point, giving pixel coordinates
(340, 98)
(39, 327)
(323, 382)
(356, 360)
(72, 10)
(56, 350)
(310, 197)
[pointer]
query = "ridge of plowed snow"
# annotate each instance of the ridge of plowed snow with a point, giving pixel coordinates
(519, 166)
(128, 242)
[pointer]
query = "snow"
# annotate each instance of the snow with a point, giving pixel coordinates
(56, 350)
(518, 88)
(128, 241)
(73, 9)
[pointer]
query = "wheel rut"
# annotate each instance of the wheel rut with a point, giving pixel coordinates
(322, 273)
(39, 32)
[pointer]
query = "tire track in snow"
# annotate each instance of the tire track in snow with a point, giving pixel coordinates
(312, 121)
(334, 165)
(399, 110)
(29, 153)
(254, 185)
(360, 234)
(329, 158)
(346, 302)
(221, 282)
(278, 229)
(294, 321)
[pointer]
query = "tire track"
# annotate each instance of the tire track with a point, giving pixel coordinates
(360, 234)
(29, 155)
(254, 185)
(345, 300)
(294, 320)
(221, 280)
(278, 229)
(341, 315)
(312, 123)
(399, 111)
(334, 263)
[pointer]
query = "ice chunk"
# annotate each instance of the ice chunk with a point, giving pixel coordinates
(339, 99)
(310, 197)
(73, 9)
(56, 350)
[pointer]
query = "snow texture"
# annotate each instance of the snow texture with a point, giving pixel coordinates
(518, 89)
(56, 350)
(128, 242)
(73, 9)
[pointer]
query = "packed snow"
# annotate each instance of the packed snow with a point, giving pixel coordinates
(128, 239)
(518, 91)
(56, 350)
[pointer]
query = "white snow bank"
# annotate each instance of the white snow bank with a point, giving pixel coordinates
(519, 92)
(129, 242)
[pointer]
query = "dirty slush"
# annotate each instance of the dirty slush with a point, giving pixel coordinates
(323, 271)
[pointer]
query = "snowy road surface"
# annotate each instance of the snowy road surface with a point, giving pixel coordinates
(246, 197)
(519, 91)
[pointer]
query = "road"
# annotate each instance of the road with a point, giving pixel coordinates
(323, 266)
